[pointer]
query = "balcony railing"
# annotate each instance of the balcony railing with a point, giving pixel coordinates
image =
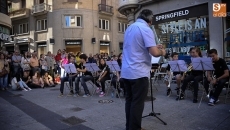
(40, 8)
(24, 12)
(105, 8)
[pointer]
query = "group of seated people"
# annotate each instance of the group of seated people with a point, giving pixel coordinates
(26, 82)
(216, 78)
(83, 75)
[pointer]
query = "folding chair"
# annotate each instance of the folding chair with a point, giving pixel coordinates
(158, 73)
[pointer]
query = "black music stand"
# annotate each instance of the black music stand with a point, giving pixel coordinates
(202, 64)
(178, 66)
(114, 67)
(152, 113)
(70, 68)
(92, 67)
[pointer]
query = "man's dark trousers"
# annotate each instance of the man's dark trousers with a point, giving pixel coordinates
(136, 92)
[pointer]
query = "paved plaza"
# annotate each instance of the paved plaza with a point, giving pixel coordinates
(42, 109)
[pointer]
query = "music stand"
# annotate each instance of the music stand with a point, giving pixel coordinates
(178, 66)
(70, 68)
(114, 67)
(203, 64)
(92, 67)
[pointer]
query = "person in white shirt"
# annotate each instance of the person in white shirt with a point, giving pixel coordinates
(17, 84)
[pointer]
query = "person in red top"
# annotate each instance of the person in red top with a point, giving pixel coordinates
(58, 61)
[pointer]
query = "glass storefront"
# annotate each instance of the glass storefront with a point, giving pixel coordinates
(73, 46)
(104, 47)
(182, 29)
(227, 32)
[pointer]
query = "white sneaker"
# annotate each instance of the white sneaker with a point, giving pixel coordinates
(85, 95)
(211, 102)
(24, 90)
(29, 89)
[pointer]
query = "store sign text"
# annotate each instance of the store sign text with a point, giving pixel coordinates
(73, 43)
(5, 37)
(172, 15)
(175, 27)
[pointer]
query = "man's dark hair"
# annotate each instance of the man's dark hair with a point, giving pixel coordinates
(173, 54)
(83, 56)
(212, 51)
(146, 15)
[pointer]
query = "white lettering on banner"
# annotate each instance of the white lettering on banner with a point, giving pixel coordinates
(197, 24)
(4, 37)
(172, 15)
(187, 25)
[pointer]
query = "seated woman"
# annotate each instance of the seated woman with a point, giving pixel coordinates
(26, 77)
(18, 84)
(195, 75)
(37, 81)
(48, 80)
(104, 75)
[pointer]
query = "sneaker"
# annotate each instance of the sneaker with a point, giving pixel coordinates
(29, 89)
(98, 90)
(85, 95)
(24, 90)
(76, 95)
(102, 94)
(70, 94)
(180, 97)
(61, 95)
(169, 92)
(211, 102)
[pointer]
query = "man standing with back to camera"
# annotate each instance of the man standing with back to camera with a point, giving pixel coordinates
(139, 43)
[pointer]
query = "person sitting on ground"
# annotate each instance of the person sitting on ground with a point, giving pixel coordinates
(37, 81)
(18, 84)
(57, 79)
(48, 80)
(26, 77)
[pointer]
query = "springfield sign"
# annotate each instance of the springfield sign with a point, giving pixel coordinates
(4, 34)
(172, 15)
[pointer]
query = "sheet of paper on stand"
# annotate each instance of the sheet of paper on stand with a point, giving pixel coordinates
(202, 64)
(178, 66)
(88, 67)
(156, 60)
(94, 67)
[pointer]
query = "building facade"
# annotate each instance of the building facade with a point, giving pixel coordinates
(5, 23)
(89, 26)
(181, 25)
